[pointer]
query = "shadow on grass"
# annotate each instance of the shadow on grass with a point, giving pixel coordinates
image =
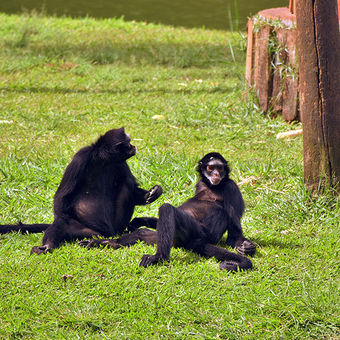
(23, 89)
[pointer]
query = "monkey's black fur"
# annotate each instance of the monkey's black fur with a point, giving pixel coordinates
(199, 223)
(96, 196)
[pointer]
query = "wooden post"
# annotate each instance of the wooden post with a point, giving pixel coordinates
(318, 43)
(292, 6)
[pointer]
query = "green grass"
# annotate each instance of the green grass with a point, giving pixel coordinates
(63, 83)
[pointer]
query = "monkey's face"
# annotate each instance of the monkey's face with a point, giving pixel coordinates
(126, 149)
(214, 171)
(117, 143)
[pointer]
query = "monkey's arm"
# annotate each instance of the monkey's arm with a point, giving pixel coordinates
(143, 197)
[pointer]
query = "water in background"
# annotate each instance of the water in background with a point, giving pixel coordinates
(215, 14)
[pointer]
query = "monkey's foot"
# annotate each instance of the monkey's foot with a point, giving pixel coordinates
(149, 260)
(41, 250)
(242, 263)
(246, 248)
(153, 194)
(99, 243)
(229, 266)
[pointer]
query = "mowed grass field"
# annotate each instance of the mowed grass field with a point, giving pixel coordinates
(179, 93)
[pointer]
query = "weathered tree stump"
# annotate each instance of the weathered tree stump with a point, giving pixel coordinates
(271, 66)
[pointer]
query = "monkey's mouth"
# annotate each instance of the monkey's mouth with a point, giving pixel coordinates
(215, 180)
(133, 150)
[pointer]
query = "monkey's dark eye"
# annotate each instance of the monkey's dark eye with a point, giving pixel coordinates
(127, 143)
(209, 168)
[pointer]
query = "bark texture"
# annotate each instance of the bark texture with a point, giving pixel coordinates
(271, 68)
(318, 42)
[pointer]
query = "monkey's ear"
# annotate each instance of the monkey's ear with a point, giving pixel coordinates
(199, 166)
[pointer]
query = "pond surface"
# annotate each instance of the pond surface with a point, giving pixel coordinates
(217, 14)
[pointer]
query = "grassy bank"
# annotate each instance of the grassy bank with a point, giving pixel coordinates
(179, 93)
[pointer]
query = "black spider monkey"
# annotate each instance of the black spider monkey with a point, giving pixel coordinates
(198, 224)
(96, 196)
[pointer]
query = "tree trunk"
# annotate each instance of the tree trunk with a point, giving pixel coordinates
(318, 42)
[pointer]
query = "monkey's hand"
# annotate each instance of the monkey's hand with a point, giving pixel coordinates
(41, 249)
(246, 248)
(153, 194)
(149, 260)
(95, 243)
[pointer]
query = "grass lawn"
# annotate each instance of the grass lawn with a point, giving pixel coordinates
(180, 93)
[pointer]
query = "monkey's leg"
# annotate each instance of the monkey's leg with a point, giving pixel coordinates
(146, 235)
(174, 227)
(229, 261)
(61, 230)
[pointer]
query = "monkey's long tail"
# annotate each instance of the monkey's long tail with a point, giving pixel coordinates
(23, 228)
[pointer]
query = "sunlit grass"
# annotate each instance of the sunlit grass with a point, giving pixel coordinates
(180, 93)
